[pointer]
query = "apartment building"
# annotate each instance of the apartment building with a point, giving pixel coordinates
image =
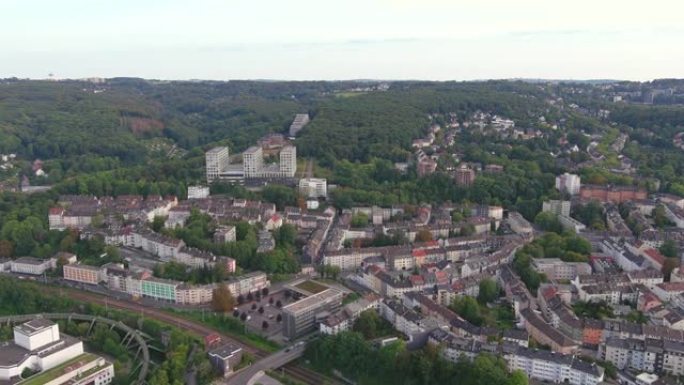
(253, 162)
(569, 183)
(91, 275)
(300, 317)
(217, 160)
(198, 192)
(554, 268)
(553, 367)
(557, 207)
(288, 161)
(540, 365)
(465, 176)
(32, 266)
(313, 187)
(300, 120)
(159, 289)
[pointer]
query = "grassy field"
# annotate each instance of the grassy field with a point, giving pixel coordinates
(311, 286)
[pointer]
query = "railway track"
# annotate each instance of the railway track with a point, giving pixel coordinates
(293, 370)
(307, 376)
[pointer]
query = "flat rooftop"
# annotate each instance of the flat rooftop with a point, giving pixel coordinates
(13, 354)
(69, 366)
(322, 297)
(311, 287)
(225, 351)
(34, 326)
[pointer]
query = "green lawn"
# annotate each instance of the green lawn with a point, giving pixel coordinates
(311, 286)
(230, 326)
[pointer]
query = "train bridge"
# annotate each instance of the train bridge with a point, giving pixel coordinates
(131, 338)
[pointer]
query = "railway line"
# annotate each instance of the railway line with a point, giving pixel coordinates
(292, 369)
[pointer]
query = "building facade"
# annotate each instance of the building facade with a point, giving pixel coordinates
(217, 160)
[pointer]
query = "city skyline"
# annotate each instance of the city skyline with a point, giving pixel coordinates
(306, 40)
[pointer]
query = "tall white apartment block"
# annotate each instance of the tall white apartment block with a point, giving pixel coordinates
(288, 161)
(217, 160)
(253, 161)
(569, 183)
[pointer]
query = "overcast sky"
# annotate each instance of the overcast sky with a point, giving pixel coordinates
(348, 39)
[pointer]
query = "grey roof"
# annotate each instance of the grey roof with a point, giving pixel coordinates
(225, 351)
(34, 326)
(12, 354)
(516, 334)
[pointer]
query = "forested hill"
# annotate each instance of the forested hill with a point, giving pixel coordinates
(128, 135)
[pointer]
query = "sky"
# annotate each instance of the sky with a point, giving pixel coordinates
(337, 40)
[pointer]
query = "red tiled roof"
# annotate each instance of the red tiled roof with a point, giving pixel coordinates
(56, 210)
(655, 255)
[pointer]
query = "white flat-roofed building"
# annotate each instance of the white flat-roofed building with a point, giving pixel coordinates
(557, 368)
(86, 369)
(198, 192)
(554, 268)
(194, 295)
(569, 183)
(300, 317)
(32, 266)
(313, 187)
(298, 123)
(37, 345)
(217, 160)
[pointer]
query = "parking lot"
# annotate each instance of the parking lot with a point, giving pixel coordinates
(270, 314)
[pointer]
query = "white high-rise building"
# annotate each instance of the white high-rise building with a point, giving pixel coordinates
(569, 183)
(253, 162)
(288, 161)
(217, 160)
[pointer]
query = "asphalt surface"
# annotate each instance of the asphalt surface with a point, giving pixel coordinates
(273, 361)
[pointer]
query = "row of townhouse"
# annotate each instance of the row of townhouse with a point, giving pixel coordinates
(556, 269)
(617, 288)
(77, 212)
(480, 252)
(540, 365)
(669, 322)
(675, 214)
(142, 284)
(546, 334)
(446, 318)
(344, 319)
(166, 248)
(649, 355)
(627, 257)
